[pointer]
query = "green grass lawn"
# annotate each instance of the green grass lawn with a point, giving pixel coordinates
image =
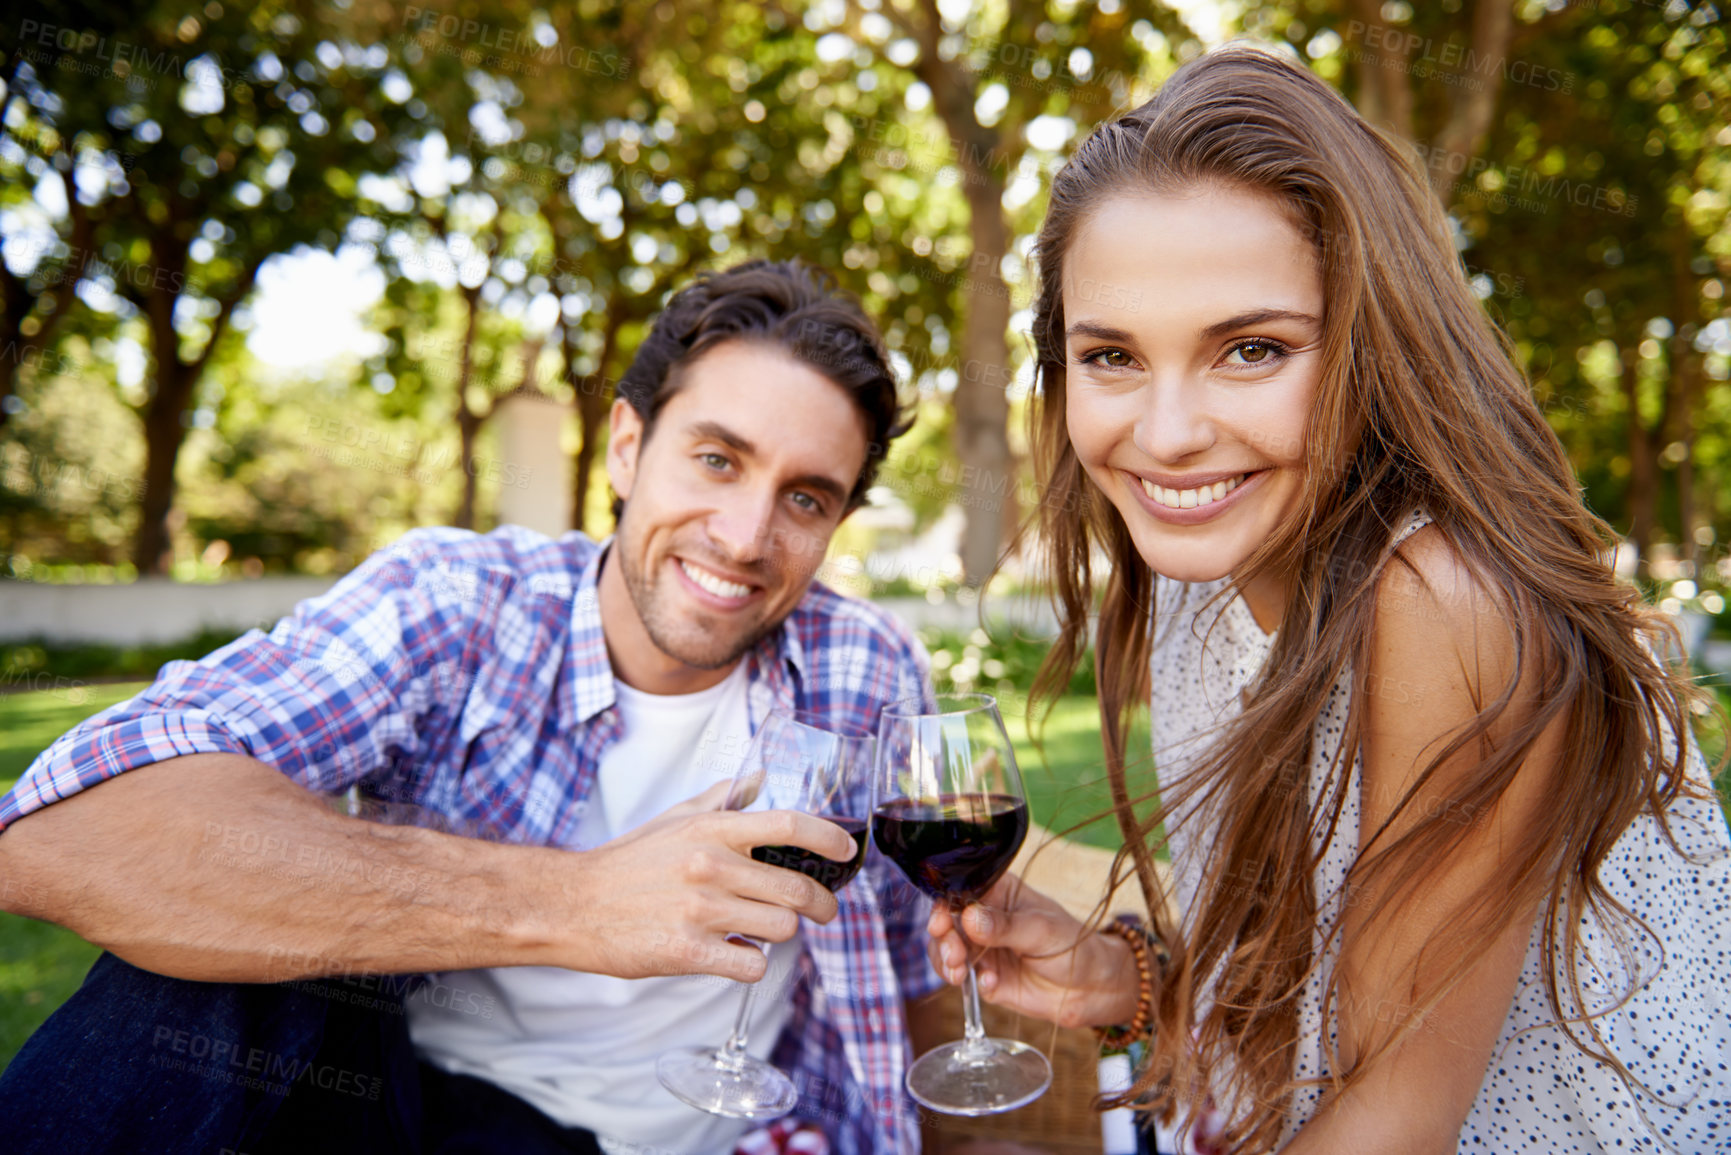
(1066, 783)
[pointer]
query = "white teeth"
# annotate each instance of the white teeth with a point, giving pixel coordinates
(715, 585)
(1190, 498)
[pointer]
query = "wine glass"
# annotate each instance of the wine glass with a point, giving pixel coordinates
(796, 761)
(948, 809)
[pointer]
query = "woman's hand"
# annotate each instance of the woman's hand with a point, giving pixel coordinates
(1036, 958)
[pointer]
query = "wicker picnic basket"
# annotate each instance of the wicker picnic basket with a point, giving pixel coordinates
(1063, 1120)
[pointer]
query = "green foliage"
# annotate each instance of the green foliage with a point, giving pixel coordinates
(601, 153)
(1593, 219)
(996, 660)
(70, 467)
(40, 662)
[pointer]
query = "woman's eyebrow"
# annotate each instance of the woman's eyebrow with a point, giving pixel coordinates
(1098, 332)
(1257, 317)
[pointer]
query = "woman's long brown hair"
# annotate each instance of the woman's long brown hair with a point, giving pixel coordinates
(1421, 405)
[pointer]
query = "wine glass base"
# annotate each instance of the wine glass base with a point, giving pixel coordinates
(750, 1090)
(950, 1081)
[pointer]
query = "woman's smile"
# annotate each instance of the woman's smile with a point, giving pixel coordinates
(1179, 504)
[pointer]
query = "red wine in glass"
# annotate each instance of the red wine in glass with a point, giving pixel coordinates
(832, 875)
(948, 809)
(955, 847)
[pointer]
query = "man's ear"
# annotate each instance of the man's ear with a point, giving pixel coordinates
(624, 440)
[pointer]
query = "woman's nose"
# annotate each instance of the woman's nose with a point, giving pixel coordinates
(1175, 421)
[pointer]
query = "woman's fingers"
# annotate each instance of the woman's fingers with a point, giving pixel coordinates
(1039, 930)
(949, 955)
(941, 922)
(986, 975)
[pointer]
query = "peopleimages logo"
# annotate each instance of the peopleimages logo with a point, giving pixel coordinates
(255, 1067)
(527, 45)
(87, 43)
(1450, 60)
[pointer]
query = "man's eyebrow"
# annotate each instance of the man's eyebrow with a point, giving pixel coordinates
(716, 431)
(825, 485)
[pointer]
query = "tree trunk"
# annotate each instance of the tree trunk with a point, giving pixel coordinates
(164, 431)
(1683, 391)
(468, 421)
(1473, 105)
(982, 406)
(1691, 548)
(1683, 396)
(1643, 460)
(594, 396)
(16, 346)
(175, 381)
(164, 413)
(15, 302)
(1384, 76)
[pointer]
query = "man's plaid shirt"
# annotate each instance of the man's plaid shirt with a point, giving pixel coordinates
(469, 675)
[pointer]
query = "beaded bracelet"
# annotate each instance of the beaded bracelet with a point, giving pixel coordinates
(1148, 953)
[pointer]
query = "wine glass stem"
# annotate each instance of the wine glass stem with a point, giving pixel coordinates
(975, 1045)
(732, 1056)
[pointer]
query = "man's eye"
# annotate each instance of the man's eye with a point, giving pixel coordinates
(807, 502)
(713, 460)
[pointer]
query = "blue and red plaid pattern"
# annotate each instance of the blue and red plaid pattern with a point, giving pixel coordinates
(468, 674)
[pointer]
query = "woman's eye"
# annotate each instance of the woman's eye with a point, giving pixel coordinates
(1111, 358)
(1256, 352)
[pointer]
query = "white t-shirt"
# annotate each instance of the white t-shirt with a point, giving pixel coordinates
(582, 1047)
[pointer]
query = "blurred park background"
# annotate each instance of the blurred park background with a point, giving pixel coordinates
(281, 280)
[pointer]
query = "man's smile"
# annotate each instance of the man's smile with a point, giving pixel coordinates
(717, 590)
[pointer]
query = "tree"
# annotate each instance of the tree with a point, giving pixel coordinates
(1621, 189)
(1573, 145)
(201, 141)
(990, 75)
(663, 154)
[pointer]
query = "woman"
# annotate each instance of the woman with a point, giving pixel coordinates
(1444, 878)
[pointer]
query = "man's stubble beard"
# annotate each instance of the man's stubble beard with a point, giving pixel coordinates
(646, 601)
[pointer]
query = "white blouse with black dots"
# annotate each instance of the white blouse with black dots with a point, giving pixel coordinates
(1540, 1093)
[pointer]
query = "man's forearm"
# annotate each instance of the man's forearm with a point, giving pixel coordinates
(216, 867)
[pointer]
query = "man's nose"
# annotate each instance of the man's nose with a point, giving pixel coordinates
(742, 523)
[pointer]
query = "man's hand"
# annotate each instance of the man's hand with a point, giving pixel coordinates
(667, 897)
(1036, 958)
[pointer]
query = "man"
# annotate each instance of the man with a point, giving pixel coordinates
(552, 697)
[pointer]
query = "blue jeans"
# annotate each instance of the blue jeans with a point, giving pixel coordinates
(136, 1062)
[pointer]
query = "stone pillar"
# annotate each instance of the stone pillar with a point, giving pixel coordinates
(535, 473)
